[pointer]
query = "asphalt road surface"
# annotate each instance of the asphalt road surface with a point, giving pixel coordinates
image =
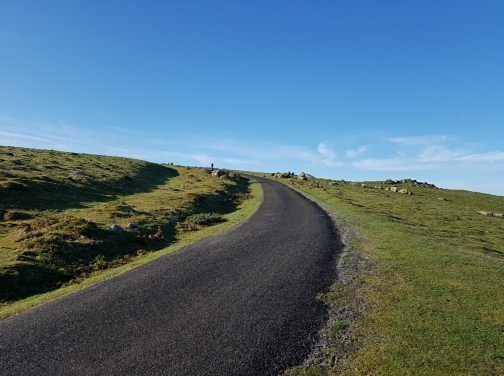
(239, 304)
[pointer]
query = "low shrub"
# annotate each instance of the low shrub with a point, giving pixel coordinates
(196, 221)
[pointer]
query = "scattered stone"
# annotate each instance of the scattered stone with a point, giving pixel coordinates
(222, 174)
(158, 235)
(284, 175)
(219, 173)
(116, 229)
(412, 182)
(78, 177)
(404, 191)
(490, 214)
(394, 189)
(15, 215)
(133, 226)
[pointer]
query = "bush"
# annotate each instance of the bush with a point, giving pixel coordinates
(196, 221)
(15, 215)
(99, 263)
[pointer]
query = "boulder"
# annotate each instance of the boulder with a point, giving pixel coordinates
(116, 229)
(133, 226)
(394, 189)
(484, 212)
(219, 173)
(284, 175)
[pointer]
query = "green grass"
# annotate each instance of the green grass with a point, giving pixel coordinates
(71, 237)
(244, 211)
(434, 302)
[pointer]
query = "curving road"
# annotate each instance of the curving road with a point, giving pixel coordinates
(239, 304)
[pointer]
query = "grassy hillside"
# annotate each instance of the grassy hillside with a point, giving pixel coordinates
(65, 216)
(429, 300)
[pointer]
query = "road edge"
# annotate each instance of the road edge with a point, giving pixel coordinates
(233, 220)
(336, 340)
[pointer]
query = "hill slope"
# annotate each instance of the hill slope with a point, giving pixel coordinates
(64, 216)
(429, 297)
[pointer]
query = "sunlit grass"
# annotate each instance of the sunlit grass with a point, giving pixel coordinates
(435, 297)
(56, 230)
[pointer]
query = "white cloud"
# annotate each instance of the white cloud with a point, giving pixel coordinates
(354, 153)
(389, 165)
(328, 155)
(403, 154)
(493, 156)
(438, 154)
(418, 140)
(5, 136)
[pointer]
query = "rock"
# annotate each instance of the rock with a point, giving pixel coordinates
(14, 215)
(302, 176)
(219, 173)
(499, 215)
(116, 229)
(411, 182)
(484, 212)
(158, 235)
(403, 191)
(394, 189)
(132, 226)
(284, 175)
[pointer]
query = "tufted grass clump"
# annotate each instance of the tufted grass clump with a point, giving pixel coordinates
(197, 221)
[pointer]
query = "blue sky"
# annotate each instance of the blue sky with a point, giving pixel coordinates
(341, 89)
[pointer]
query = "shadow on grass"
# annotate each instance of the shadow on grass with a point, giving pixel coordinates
(224, 202)
(48, 194)
(62, 256)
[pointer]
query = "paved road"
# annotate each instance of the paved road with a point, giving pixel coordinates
(239, 304)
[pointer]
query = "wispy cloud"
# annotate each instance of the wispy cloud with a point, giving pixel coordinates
(418, 140)
(328, 155)
(354, 153)
(200, 150)
(438, 153)
(493, 156)
(430, 154)
(389, 165)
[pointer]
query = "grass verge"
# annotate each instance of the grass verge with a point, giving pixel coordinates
(432, 302)
(230, 220)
